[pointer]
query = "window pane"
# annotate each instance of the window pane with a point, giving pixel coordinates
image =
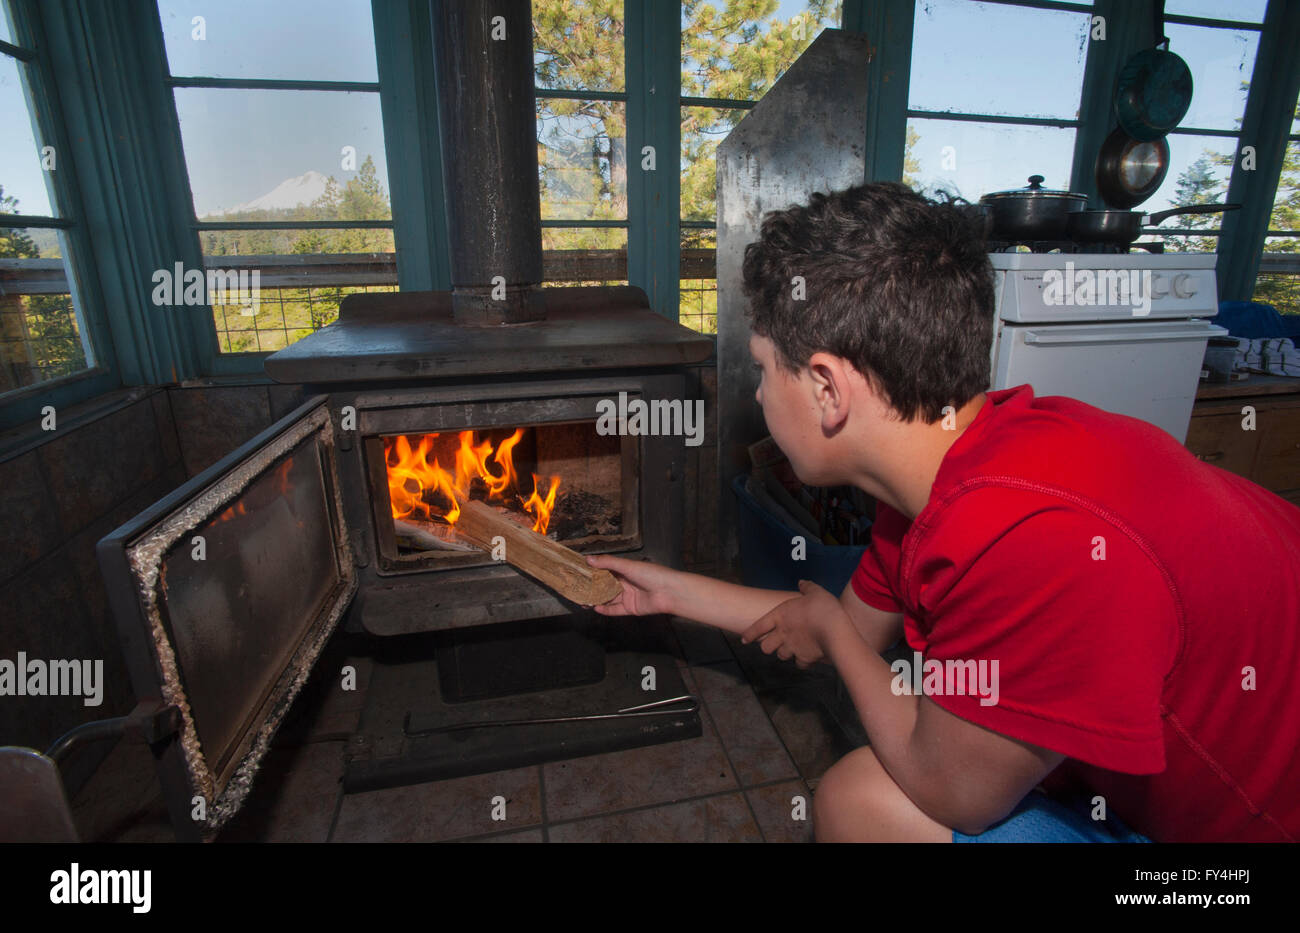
(294, 39)
(41, 336)
(578, 44)
(1199, 170)
(6, 34)
(287, 147)
(603, 238)
(1221, 61)
(1006, 60)
(698, 307)
(739, 57)
(264, 299)
(1243, 11)
(582, 159)
(971, 159)
(702, 129)
(281, 316)
(22, 182)
(296, 242)
(1281, 289)
(1286, 203)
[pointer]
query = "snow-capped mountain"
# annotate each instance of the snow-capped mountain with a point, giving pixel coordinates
(289, 193)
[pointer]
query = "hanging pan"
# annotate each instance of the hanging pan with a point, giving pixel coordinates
(1154, 88)
(1129, 170)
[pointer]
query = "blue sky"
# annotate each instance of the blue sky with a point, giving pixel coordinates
(968, 56)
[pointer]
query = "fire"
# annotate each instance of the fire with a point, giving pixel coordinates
(415, 471)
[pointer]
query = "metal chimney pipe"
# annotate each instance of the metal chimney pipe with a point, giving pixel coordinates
(483, 54)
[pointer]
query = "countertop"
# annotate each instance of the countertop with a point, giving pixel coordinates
(1254, 385)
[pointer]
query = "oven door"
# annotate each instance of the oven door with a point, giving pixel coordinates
(1145, 370)
(224, 594)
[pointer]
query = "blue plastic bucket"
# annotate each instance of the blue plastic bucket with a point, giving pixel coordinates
(767, 546)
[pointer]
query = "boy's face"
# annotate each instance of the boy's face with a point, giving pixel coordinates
(789, 403)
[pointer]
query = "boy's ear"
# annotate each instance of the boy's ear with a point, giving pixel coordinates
(830, 377)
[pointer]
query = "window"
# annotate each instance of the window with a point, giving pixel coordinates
(994, 95)
(1278, 281)
(284, 146)
(578, 60)
(1202, 149)
(43, 335)
(728, 63)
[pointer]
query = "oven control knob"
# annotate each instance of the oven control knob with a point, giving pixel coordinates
(1182, 288)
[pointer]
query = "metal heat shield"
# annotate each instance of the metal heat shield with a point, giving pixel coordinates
(224, 594)
(808, 133)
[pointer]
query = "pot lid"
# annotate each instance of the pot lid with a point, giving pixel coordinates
(1034, 190)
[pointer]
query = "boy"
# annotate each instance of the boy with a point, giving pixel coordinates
(1139, 609)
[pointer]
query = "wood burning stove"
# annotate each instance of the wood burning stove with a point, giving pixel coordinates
(226, 590)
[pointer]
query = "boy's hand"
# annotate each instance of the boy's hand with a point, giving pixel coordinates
(799, 628)
(647, 587)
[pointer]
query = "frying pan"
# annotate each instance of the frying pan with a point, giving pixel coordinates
(1130, 170)
(1154, 88)
(1123, 227)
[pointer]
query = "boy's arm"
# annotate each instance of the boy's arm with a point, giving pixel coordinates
(959, 774)
(879, 629)
(650, 589)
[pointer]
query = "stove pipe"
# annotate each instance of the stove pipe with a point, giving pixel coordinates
(483, 54)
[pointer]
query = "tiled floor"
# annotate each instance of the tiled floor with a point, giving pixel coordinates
(768, 737)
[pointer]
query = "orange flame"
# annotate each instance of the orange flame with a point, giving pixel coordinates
(413, 472)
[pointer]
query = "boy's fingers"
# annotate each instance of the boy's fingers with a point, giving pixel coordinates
(758, 629)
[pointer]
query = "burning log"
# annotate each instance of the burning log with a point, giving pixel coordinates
(555, 565)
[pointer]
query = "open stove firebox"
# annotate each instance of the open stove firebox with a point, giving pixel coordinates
(345, 511)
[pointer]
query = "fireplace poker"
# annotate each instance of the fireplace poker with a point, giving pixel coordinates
(688, 704)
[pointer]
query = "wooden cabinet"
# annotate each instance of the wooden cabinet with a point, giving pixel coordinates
(1268, 455)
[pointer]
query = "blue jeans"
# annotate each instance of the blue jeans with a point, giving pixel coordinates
(1039, 818)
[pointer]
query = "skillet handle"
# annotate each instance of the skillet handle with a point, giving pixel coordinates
(1160, 217)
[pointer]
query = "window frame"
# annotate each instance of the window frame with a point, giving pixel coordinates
(1077, 124)
(24, 406)
(212, 360)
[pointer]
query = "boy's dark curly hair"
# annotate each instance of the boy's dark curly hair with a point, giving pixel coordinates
(898, 284)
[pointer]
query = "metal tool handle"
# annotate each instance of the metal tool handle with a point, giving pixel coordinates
(669, 707)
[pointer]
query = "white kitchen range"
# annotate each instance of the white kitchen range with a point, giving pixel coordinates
(1125, 332)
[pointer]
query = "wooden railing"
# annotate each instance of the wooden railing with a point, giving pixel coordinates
(46, 276)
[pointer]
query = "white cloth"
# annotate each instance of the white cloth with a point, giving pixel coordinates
(1276, 356)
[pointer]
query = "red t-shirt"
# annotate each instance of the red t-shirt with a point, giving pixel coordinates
(1143, 608)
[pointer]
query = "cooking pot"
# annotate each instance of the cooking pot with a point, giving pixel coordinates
(1032, 213)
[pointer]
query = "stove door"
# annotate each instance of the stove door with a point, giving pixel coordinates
(224, 594)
